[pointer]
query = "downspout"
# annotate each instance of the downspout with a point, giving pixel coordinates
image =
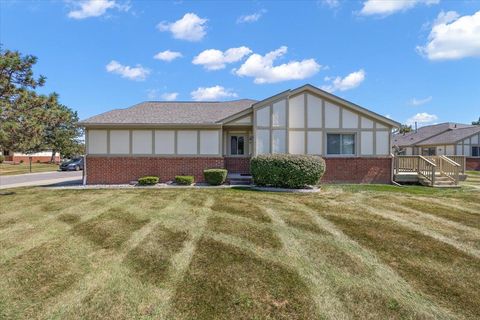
(84, 178)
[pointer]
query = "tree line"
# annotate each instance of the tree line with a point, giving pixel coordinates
(32, 122)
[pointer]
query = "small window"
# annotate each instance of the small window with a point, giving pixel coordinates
(475, 151)
(237, 145)
(341, 144)
(429, 151)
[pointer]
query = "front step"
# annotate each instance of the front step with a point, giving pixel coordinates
(440, 182)
(239, 179)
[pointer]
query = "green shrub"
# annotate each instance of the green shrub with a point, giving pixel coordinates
(184, 180)
(2, 158)
(148, 181)
(215, 177)
(287, 171)
(21, 161)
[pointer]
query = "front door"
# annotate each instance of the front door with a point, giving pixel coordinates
(237, 144)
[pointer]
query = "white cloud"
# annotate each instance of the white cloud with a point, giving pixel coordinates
(191, 27)
(388, 7)
(213, 59)
(133, 73)
(453, 37)
(422, 118)
(169, 96)
(167, 55)
(212, 93)
(262, 68)
(418, 102)
(94, 8)
(251, 17)
(351, 81)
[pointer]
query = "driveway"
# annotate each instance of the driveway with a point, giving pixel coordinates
(41, 179)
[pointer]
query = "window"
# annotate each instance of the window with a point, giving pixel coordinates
(475, 151)
(429, 151)
(237, 145)
(340, 144)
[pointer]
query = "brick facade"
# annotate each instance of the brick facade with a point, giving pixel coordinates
(119, 170)
(237, 165)
(472, 163)
(358, 170)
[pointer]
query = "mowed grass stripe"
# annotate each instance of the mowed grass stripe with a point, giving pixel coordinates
(460, 236)
(100, 293)
(326, 302)
(427, 264)
(382, 280)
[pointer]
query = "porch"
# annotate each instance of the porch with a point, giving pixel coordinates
(432, 171)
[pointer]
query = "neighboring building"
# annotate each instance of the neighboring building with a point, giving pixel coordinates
(37, 157)
(442, 139)
(177, 138)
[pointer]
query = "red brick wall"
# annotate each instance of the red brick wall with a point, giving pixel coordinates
(119, 170)
(473, 164)
(237, 165)
(26, 159)
(358, 170)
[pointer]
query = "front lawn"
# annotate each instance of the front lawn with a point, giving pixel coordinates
(349, 252)
(7, 169)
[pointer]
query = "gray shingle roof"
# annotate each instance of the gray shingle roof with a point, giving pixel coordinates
(423, 133)
(156, 112)
(451, 136)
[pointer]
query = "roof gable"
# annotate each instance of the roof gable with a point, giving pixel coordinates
(330, 97)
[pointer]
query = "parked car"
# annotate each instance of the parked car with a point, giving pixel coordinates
(75, 164)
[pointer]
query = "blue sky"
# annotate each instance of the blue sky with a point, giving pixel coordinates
(408, 59)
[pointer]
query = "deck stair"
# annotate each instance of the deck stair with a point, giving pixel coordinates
(239, 179)
(432, 171)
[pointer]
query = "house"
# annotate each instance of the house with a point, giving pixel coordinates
(37, 157)
(442, 139)
(184, 138)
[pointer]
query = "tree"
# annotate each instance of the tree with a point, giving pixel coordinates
(22, 111)
(405, 128)
(61, 132)
(30, 122)
(476, 123)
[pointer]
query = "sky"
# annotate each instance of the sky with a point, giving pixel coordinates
(410, 60)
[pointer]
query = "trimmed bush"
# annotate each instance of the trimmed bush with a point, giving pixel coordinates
(148, 181)
(184, 180)
(287, 170)
(2, 158)
(215, 177)
(21, 161)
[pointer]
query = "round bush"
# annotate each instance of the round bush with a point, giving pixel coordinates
(184, 180)
(287, 170)
(148, 181)
(215, 177)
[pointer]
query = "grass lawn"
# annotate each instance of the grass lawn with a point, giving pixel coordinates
(11, 169)
(349, 252)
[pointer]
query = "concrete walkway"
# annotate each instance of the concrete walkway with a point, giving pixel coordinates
(41, 179)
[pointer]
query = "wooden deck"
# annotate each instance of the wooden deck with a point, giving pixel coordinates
(432, 171)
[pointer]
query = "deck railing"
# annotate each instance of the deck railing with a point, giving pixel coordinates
(449, 169)
(461, 161)
(427, 168)
(405, 164)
